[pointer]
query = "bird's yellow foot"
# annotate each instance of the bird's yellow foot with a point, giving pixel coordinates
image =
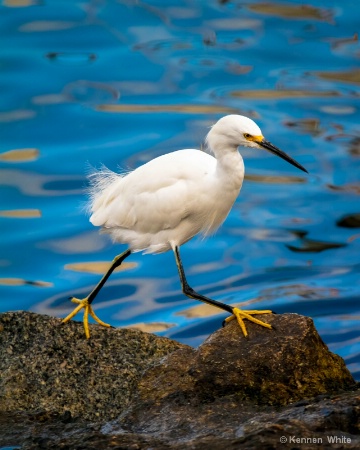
(87, 310)
(240, 315)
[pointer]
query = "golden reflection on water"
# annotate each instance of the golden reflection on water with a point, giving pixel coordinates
(290, 11)
(281, 93)
(21, 213)
(19, 3)
(20, 155)
(21, 282)
(194, 109)
(275, 179)
(151, 327)
(347, 76)
(201, 310)
(98, 267)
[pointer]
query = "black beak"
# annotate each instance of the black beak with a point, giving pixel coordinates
(268, 146)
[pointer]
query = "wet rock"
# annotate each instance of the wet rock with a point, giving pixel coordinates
(313, 424)
(231, 392)
(48, 366)
(274, 367)
(324, 423)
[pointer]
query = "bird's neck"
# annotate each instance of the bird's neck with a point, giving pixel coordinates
(230, 167)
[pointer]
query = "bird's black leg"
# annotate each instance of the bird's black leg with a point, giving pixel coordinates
(86, 302)
(237, 313)
(116, 263)
(189, 292)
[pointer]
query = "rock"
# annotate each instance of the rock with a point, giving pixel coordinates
(126, 389)
(48, 366)
(275, 367)
(317, 420)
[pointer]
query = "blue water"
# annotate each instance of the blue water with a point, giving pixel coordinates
(120, 82)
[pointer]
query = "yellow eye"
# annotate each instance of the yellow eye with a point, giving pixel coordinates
(247, 136)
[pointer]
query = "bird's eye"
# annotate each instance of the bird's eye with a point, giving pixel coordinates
(247, 136)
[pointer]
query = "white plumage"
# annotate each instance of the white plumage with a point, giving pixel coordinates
(167, 201)
(164, 203)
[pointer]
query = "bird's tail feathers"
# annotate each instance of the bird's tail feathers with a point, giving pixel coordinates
(99, 180)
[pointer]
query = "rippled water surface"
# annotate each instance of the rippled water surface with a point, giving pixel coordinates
(120, 82)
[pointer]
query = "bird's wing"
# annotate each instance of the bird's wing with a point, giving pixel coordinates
(156, 196)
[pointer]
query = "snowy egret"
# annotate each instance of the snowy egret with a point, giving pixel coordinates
(167, 201)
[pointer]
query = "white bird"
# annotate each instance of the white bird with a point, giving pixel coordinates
(167, 201)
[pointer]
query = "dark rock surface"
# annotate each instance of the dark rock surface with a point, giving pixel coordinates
(126, 389)
(48, 366)
(315, 421)
(270, 367)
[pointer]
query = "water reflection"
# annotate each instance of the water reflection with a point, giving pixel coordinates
(41, 26)
(201, 310)
(186, 109)
(21, 213)
(282, 93)
(152, 327)
(99, 267)
(349, 221)
(275, 179)
(346, 76)
(160, 45)
(308, 126)
(49, 99)
(294, 12)
(338, 109)
(350, 188)
(125, 299)
(354, 146)
(70, 58)
(20, 3)
(234, 24)
(90, 92)
(35, 184)
(337, 43)
(20, 155)
(307, 245)
(21, 282)
(18, 114)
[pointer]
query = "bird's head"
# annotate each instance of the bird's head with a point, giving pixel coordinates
(233, 131)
